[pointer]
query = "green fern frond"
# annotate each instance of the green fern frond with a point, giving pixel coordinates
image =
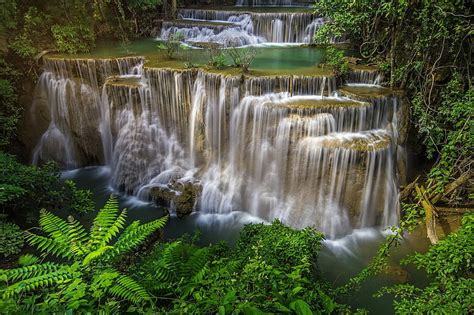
(77, 237)
(56, 227)
(33, 283)
(48, 245)
(134, 235)
(127, 288)
(103, 221)
(29, 271)
(95, 254)
(115, 228)
(27, 260)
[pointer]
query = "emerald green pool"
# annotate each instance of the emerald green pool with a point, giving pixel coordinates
(276, 57)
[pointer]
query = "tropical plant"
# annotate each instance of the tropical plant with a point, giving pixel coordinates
(271, 269)
(11, 239)
(172, 44)
(242, 57)
(72, 39)
(449, 265)
(87, 279)
(336, 61)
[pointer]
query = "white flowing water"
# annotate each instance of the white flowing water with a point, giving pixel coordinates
(234, 28)
(274, 147)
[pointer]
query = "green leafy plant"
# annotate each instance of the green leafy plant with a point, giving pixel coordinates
(449, 264)
(72, 39)
(242, 57)
(11, 239)
(216, 57)
(271, 269)
(336, 61)
(172, 45)
(88, 280)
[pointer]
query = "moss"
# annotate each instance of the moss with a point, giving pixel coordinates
(128, 81)
(246, 9)
(192, 23)
(320, 103)
(367, 91)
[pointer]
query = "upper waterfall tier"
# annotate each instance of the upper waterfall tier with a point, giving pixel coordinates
(239, 28)
(277, 146)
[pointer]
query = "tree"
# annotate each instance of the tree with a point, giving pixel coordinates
(88, 279)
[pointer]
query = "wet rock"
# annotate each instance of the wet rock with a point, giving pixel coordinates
(180, 196)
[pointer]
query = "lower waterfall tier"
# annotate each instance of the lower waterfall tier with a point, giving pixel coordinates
(276, 146)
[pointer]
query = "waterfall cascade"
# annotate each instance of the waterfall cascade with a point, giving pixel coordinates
(240, 28)
(291, 147)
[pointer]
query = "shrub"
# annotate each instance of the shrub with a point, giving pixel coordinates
(172, 45)
(26, 188)
(242, 57)
(11, 239)
(272, 269)
(216, 57)
(72, 39)
(336, 61)
(86, 279)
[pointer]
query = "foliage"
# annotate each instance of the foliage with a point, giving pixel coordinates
(172, 44)
(73, 38)
(216, 57)
(425, 48)
(25, 188)
(88, 281)
(242, 57)
(34, 35)
(9, 112)
(7, 15)
(11, 239)
(449, 264)
(336, 61)
(271, 269)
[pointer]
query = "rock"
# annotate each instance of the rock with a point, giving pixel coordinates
(181, 196)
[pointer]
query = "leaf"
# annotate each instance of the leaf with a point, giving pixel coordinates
(95, 254)
(301, 307)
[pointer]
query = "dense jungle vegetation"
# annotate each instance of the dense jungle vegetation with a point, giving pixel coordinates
(423, 47)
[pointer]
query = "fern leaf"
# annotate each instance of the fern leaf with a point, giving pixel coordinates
(115, 228)
(29, 271)
(103, 221)
(95, 254)
(77, 237)
(134, 235)
(49, 245)
(33, 283)
(127, 288)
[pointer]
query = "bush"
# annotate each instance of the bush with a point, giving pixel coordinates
(242, 57)
(28, 188)
(216, 57)
(9, 111)
(72, 39)
(11, 239)
(336, 61)
(172, 45)
(449, 265)
(272, 269)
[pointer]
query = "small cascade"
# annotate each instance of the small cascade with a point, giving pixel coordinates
(365, 76)
(237, 28)
(293, 147)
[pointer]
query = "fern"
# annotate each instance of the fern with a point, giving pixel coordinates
(39, 281)
(127, 288)
(48, 245)
(68, 239)
(29, 271)
(134, 235)
(103, 221)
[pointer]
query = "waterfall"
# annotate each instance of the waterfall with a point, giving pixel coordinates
(243, 28)
(293, 147)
